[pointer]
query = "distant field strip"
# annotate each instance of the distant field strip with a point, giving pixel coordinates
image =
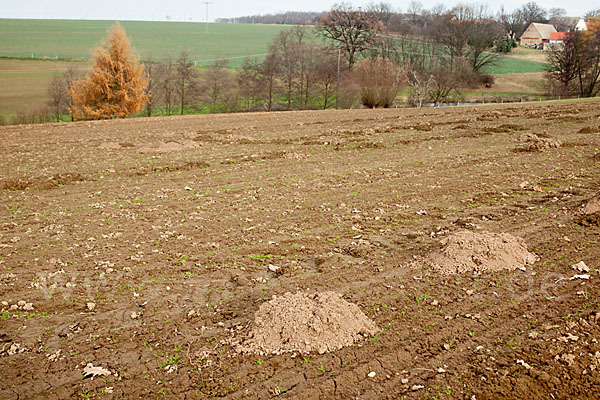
(76, 38)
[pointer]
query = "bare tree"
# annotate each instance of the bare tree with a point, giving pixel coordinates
(151, 75)
(58, 97)
(248, 82)
(484, 33)
(514, 24)
(166, 83)
(351, 30)
(438, 10)
(381, 11)
(70, 76)
(532, 12)
(326, 77)
(468, 32)
(185, 80)
(454, 31)
(560, 20)
(419, 86)
(563, 61)
(575, 66)
(268, 70)
(287, 48)
(415, 10)
(443, 82)
(588, 73)
(217, 80)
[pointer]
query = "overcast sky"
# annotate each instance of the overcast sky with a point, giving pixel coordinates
(179, 10)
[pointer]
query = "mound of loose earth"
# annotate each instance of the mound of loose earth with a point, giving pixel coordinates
(590, 129)
(306, 322)
(591, 212)
(466, 251)
(592, 206)
(535, 143)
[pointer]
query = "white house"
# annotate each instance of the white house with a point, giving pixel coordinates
(581, 25)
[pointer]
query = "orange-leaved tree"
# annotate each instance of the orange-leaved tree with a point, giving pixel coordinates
(115, 85)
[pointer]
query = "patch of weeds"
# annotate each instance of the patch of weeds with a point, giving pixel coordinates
(305, 360)
(513, 344)
(169, 360)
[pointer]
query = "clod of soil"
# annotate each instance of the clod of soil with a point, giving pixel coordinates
(305, 322)
(534, 143)
(465, 252)
(504, 128)
(590, 213)
(590, 129)
(592, 206)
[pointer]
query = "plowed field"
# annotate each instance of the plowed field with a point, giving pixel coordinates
(144, 247)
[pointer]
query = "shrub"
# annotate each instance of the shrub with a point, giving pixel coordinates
(487, 80)
(379, 82)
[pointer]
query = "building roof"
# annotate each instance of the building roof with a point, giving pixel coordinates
(544, 29)
(558, 35)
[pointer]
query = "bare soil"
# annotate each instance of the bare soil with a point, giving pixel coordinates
(135, 254)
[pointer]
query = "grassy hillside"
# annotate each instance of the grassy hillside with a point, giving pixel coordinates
(514, 65)
(76, 38)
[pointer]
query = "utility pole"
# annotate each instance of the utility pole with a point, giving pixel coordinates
(337, 81)
(206, 3)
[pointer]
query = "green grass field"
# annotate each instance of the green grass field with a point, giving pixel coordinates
(76, 39)
(68, 39)
(513, 65)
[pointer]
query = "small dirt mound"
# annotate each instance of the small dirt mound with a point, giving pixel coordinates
(115, 145)
(43, 182)
(590, 129)
(592, 206)
(422, 126)
(461, 127)
(504, 128)
(590, 212)
(534, 143)
(465, 252)
(305, 322)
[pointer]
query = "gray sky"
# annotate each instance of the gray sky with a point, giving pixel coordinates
(179, 10)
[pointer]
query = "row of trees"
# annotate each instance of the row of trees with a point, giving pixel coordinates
(453, 54)
(417, 20)
(359, 60)
(285, 18)
(298, 73)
